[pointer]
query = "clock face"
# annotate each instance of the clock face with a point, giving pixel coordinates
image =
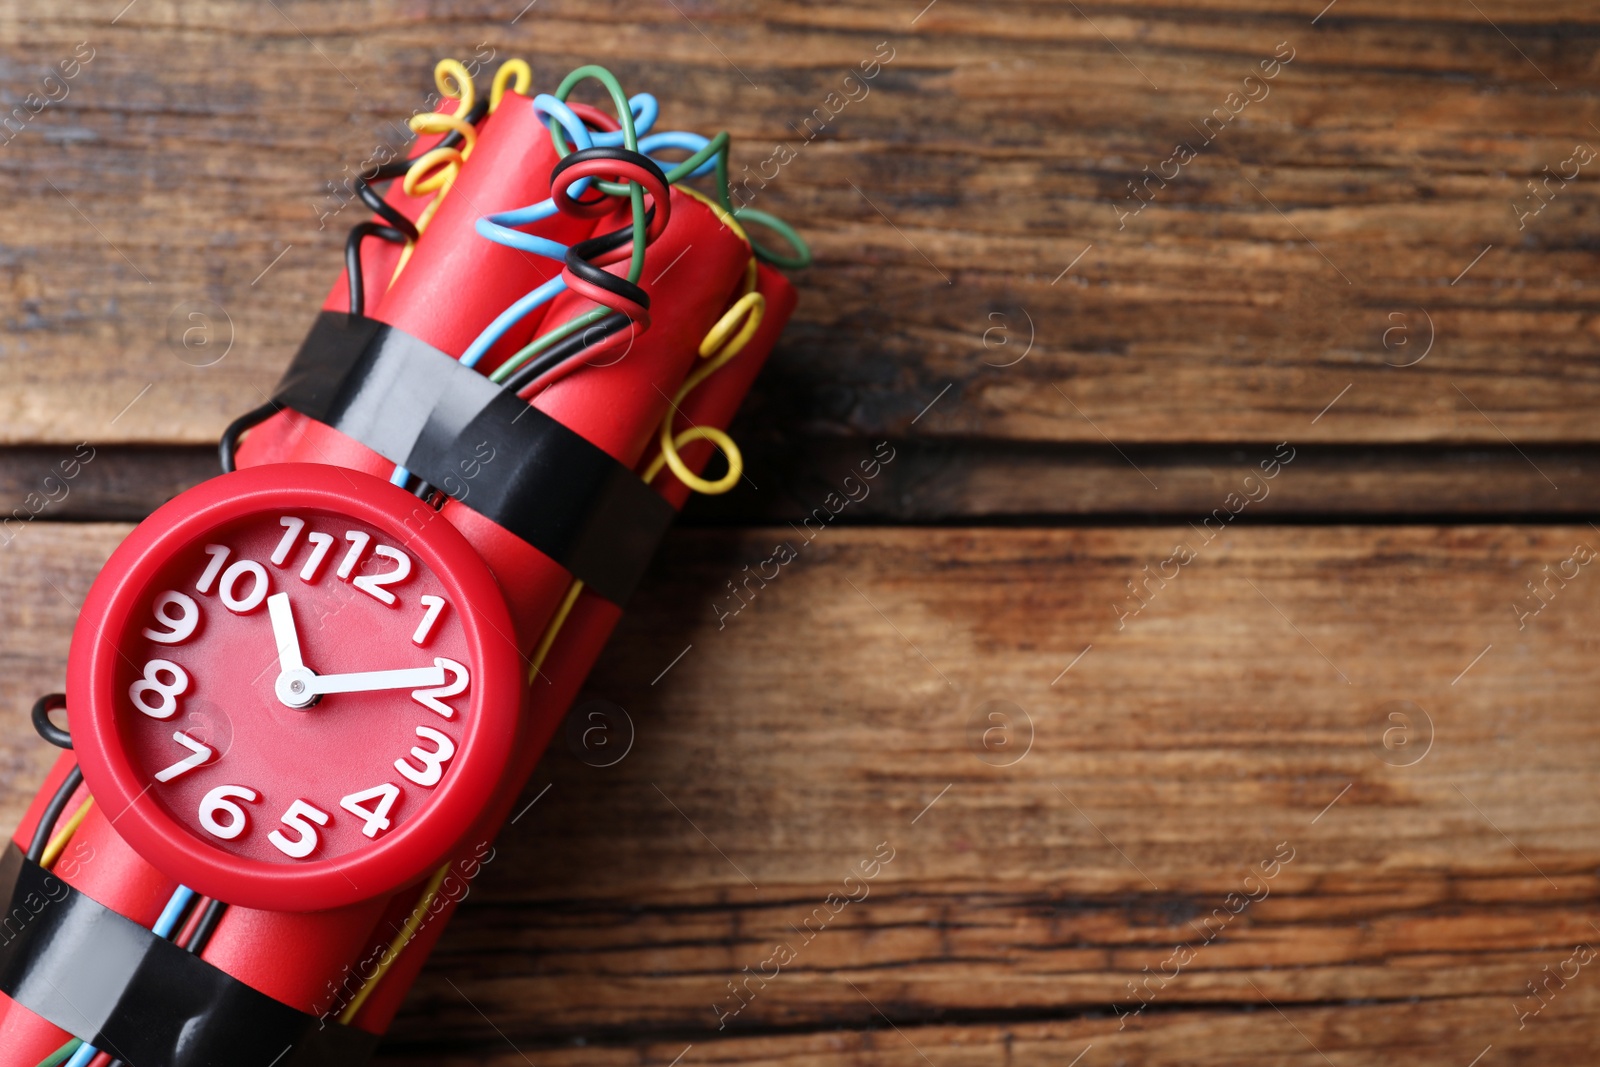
(299, 683)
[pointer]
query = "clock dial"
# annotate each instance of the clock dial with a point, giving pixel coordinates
(286, 691)
(341, 723)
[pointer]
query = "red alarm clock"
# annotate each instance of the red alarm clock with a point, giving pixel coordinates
(294, 687)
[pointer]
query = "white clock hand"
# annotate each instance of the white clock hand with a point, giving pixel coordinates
(283, 632)
(369, 681)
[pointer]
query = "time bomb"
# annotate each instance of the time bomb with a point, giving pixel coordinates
(303, 693)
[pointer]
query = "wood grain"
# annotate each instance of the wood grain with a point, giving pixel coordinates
(1242, 713)
(185, 173)
(960, 481)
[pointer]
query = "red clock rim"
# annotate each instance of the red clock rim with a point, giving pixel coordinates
(396, 858)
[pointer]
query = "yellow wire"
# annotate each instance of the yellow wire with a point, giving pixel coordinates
(435, 171)
(554, 628)
(58, 843)
(407, 932)
(524, 76)
(721, 212)
(725, 340)
(431, 890)
(455, 81)
(438, 122)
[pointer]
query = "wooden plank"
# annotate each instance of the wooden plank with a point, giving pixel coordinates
(1439, 862)
(1425, 1033)
(963, 481)
(1372, 197)
(951, 481)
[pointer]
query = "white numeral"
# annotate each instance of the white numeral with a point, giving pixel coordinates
(222, 799)
(433, 605)
(199, 754)
(300, 816)
(164, 708)
(280, 555)
(358, 544)
(375, 818)
(173, 630)
(374, 583)
(230, 580)
(429, 698)
(219, 556)
(432, 762)
(320, 543)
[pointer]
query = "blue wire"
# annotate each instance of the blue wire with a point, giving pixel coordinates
(163, 929)
(691, 142)
(169, 914)
(510, 317)
(499, 227)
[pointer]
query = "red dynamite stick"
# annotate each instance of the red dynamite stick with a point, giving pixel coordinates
(617, 405)
(584, 634)
(378, 258)
(24, 1035)
(632, 395)
(690, 273)
(635, 392)
(458, 282)
(98, 863)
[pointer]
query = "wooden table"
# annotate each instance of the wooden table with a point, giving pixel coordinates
(1179, 684)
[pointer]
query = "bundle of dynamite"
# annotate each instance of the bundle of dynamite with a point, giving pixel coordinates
(302, 697)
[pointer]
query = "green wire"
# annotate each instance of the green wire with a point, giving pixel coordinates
(630, 141)
(539, 344)
(62, 1054)
(802, 251)
(717, 147)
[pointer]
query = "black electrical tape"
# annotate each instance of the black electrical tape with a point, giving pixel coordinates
(510, 462)
(107, 980)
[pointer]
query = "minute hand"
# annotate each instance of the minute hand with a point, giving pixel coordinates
(369, 681)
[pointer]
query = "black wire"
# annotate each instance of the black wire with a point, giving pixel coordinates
(574, 345)
(619, 155)
(352, 258)
(229, 444)
(579, 255)
(41, 719)
(604, 279)
(569, 347)
(183, 916)
(425, 493)
(52, 813)
(206, 927)
(390, 213)
(606, 242)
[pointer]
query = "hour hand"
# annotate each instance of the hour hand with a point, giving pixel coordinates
(284, 634)
(370, 681)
